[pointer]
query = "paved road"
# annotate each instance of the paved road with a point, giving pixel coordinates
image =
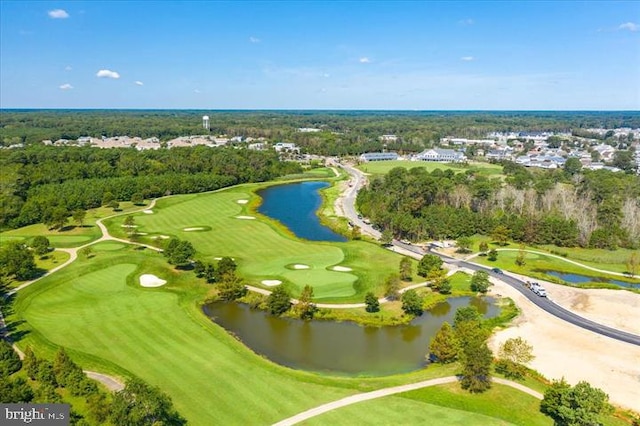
(542, 302)
(380, 393)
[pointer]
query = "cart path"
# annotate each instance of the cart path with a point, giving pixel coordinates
(380, 393)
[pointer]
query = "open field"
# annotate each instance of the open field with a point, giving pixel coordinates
(442, 405)
(263, 248)
(383, 167)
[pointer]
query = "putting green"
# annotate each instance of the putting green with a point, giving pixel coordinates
(264, 250)
(108, 246)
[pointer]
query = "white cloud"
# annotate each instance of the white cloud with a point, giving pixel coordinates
(364, 60)
(467, 21)
(66, 86)
(58, 14)
(107, 74)
(326, 75)
(254, 40)
(139, 83)
(467, 58)
(68, 68)
(196, 91)
(630, 26)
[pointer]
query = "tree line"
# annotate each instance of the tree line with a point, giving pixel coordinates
(592, 209)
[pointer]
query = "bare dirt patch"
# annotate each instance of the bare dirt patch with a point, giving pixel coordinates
(565, 350)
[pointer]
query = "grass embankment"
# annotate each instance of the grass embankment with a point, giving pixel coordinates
(383, 167)
(72, 235)
(218, 225)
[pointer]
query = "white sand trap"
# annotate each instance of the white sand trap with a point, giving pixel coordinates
(163, 237)
(142, 233)
(193, 229)
(245, 217)
(129, 226)
(342, 269)
(271, 283)
(300, 266)
(219, 258)
(149, 280)
(147, 211)
(242, 201)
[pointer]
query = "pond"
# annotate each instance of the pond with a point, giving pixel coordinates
(340, 347)
(295, 206)
(583, 279)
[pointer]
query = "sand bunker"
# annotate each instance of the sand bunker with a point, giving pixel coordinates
(245, 217)
(219, 258)
(242, 201)
(129, 226)
(163, 237)
(342, 269)
(142, 233)
(271, 283)
(193, 229)
(147, 211)
(300, 266)
(150, 280)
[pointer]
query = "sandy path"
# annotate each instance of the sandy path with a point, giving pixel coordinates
(565, 350)
(380, 393)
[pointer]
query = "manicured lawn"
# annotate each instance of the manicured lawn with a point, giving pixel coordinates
(264, 249)
(383, 167)
(610, 260)
(97, 310)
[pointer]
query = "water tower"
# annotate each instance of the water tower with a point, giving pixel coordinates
(205, 122)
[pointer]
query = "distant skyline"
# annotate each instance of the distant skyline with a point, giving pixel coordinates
(321, 55)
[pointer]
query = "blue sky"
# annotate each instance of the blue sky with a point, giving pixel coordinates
(320, 55)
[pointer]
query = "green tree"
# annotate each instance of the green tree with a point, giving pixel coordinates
(78, 217)
(114, 205)
(231, 288)
(140, 404)
(405, 269)
(520, 259)
(305, 308)
(40, 245)
(15, 390)
(428, 263)
(179, 252)
(500, 235)
(445, 286)
(86, 252)
(371, 302)
(437, 278)
(474, 354)
(444, 345)
(386, 238)
(392, 287)
(17, 260)
(512, 356)
(199, 268)
(30, 363)
(480, 282)
(279, 301)
(483, 247)
(107, 198)
(467, 314)
(356, 233)
(57, 219)
(493, 255)
(137, 198)
(209, 273)
(412, 303)
(9, 359)
(464, 244)
(581, 405)
(572, 166)
(226, 266)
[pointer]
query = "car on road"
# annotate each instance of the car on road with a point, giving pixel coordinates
(497, 271)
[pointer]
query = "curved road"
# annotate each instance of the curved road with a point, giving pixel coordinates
(542, 302)
(354, 399)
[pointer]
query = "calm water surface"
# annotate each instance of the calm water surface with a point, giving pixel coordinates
(295, 206)
(340, 347)
(583, 279)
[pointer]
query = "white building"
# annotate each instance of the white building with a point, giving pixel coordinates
(286, 146)
(389, 138)
(379, 156)
(441, 155)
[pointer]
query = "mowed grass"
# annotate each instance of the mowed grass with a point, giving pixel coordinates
(97, 310)
(263, 248)
(383, 167)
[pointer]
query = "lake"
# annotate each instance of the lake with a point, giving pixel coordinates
(295, 206)
(340, 347)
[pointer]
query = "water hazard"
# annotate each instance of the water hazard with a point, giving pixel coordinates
(583, 279)
(295, 206)
(340, 347)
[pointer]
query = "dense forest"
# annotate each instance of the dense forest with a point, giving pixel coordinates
(39, 182)
(342, 132)
(595, 209)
